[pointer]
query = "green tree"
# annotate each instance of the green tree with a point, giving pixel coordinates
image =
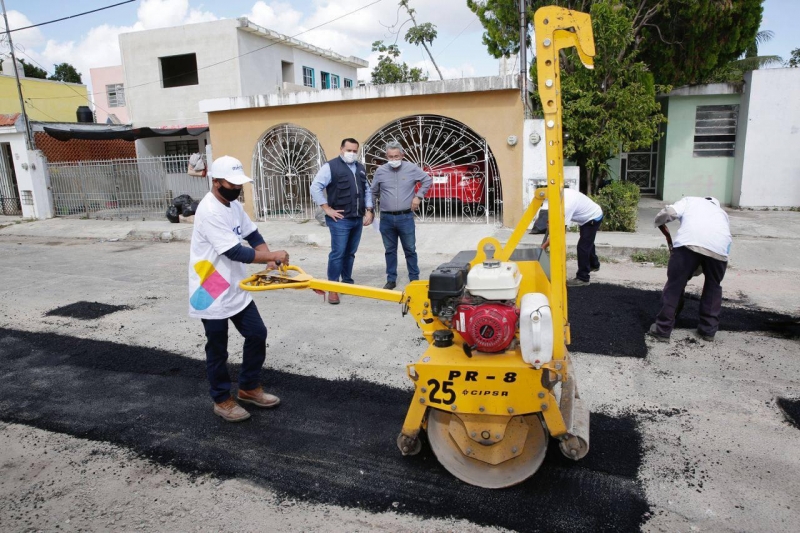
(32, 71)
(421, 34)
(66, 72)
(389, 69)
(794, 61)
(612, 107)
(734, 71)
(681, 41)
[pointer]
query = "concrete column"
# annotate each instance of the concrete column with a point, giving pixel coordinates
(33, 181)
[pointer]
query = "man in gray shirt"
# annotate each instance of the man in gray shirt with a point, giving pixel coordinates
(393, 185)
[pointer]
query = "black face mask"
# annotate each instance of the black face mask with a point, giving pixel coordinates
(229, 194)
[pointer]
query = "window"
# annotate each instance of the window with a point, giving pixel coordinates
(116, 95)
(178, 153)
(348, 83)
(178, 71)
(334, 81)
(715, 130)
(308, 76)
(326, 80)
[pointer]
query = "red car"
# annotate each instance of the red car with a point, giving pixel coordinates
(455, 183)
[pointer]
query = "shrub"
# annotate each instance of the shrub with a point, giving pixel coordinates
(620, 203)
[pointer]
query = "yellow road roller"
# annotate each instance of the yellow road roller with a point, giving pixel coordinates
(496, 381)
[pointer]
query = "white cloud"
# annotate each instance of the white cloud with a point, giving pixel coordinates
(99, 47)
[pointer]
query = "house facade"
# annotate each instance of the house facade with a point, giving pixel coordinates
(46, 100)
(108, 84)
(168, 71)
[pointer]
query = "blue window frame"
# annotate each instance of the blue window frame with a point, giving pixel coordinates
(308, 76)
(335, 81)
(348, 83)
(326, 80)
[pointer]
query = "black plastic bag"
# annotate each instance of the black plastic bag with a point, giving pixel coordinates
(190, 209)
(172, 214)
(540, 224)
(180, 201)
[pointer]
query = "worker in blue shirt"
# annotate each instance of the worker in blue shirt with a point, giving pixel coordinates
(348, 208)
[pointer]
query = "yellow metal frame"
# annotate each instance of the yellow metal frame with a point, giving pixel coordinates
(498, 385)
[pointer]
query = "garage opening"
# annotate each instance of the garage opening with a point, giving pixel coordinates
(285, 161)
(466, 183)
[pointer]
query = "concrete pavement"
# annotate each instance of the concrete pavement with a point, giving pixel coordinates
(763, 240)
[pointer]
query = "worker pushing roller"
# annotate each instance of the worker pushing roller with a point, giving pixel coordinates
(496, 380)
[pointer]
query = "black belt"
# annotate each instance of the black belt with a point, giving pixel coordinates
(407, 211)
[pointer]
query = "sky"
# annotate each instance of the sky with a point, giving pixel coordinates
(91, 41)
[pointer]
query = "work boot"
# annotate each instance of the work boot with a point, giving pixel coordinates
(595, 268)
(390, 285)
(230, 411)
(577, 282)
(333, 298)
(654, 334)
(258, 397)
(707, 338)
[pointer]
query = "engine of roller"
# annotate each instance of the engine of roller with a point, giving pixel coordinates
(478, 303)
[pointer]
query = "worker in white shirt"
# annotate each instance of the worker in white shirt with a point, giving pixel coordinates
(703, 240)
(581, 210)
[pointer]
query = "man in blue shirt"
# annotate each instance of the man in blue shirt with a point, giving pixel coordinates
(348, 208)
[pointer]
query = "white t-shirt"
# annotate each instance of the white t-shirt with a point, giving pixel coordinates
(704, 224)
(214, 291)
(578, 208)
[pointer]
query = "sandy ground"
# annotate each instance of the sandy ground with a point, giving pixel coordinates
(719, 456)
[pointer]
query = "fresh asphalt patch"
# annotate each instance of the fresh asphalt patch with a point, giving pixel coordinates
(86, 310)
(600, 313)
(791, 410)
(329, 441)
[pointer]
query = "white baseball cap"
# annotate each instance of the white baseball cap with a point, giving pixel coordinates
(229, 169)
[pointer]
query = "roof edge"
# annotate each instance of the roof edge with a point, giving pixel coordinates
(366, 92)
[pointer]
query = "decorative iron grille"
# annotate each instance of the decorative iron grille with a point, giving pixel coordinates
(466, 183)
(286, 159)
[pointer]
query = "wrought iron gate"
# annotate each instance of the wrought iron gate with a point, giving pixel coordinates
(285, 162)
(466, 183)
(122, 188)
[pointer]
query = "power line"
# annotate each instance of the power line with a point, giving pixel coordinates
(71, 16)
(456, 37)
(240, 55)
(28, 101)
(70, 87)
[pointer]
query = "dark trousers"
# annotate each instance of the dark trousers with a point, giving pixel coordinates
(587, 256)
(252, 328)
(401, 227)
(682, 263)
(345, 237)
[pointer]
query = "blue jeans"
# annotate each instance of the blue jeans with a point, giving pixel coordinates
(345, 236)
(402, 226)
(252, 328)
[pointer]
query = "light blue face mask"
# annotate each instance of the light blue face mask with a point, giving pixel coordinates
(395, 163)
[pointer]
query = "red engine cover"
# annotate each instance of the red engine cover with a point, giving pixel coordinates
(488, 327)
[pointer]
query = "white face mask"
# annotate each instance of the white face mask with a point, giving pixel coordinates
(395, 163)
(349, 157)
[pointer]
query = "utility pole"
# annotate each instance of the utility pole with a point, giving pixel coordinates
(523, 58)
(28, 137)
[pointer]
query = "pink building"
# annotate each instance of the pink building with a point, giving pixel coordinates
(108, 86)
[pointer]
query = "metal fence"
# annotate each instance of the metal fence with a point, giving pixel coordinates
(122, 188)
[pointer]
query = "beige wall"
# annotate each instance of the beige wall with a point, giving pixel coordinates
(492, 114)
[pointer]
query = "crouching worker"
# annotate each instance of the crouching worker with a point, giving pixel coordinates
(703, 240)
(216, 266)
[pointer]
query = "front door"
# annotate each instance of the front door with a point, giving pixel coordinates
(641, 167)
(9, 192)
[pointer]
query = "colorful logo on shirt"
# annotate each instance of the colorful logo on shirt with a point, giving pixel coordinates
(212, 284)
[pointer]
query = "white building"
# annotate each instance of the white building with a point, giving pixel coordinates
(168, 71)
